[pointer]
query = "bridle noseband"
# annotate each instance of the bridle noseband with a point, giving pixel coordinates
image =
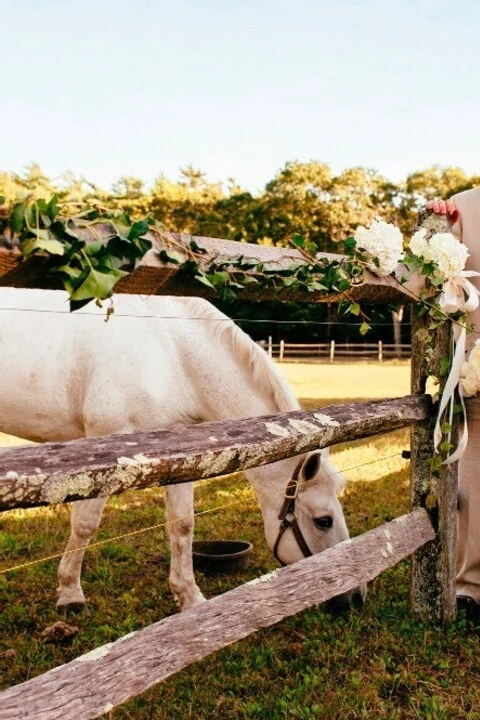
(288, 517)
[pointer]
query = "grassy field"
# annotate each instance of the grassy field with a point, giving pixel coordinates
(376, 663)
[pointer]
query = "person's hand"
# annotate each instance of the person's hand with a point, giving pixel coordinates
(444, 207)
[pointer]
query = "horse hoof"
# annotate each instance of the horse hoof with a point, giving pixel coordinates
(346, 602)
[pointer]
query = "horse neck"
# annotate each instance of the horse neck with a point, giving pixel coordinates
(240, 379)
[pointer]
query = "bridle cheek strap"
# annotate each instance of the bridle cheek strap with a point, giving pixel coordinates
(288, 518)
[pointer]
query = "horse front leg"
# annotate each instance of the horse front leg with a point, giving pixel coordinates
(85, 519)
(179, 506)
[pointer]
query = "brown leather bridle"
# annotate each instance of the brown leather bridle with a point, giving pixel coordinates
(288, 517)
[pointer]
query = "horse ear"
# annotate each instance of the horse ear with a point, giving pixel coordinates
(311, 466)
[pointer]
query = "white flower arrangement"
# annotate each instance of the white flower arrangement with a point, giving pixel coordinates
(382, 244)
(470, 372)
(442, 249)
(441, 259)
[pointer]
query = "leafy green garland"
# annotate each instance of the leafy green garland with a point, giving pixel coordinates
(88, 264)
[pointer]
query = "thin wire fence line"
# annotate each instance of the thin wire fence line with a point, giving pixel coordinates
(182, 317)
(167, 523)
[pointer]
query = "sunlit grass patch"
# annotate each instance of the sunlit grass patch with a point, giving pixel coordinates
(377, 663)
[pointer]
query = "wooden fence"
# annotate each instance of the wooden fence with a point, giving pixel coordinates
(332, 350)
(95, 683)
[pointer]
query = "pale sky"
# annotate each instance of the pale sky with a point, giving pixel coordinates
(106, 88)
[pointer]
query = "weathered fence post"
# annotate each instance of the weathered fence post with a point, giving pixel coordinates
(332, 351)
(433, 570)
(270, 346)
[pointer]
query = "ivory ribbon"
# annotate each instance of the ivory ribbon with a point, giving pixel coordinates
(458, 294)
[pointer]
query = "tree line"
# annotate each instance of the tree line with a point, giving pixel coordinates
(304, 198)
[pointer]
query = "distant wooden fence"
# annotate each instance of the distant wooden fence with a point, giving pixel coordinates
(332, 350)
(95, 683)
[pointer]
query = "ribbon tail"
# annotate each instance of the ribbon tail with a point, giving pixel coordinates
(462, 445)
(449, 394)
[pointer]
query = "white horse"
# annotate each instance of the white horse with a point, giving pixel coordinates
(158, 362)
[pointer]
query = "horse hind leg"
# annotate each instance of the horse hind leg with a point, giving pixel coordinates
(85, 519)
(179, 506)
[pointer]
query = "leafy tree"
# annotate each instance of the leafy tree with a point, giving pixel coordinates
(296, 202)
(34, 182)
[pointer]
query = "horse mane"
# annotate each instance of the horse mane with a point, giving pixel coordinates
(248, 354)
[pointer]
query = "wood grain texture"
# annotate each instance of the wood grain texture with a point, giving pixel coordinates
(60, 472)
(433, 569)
(432, 595)
(108, 676)
(152, 277)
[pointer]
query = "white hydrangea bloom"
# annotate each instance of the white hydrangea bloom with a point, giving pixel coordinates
(382, 242)
(443, 249)
(470, 372)
(448, 253)
(470, 384)
(474, 357)
(418, 243)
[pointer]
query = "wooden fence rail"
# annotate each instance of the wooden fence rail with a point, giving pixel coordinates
(153, 277)
(95, 683)
(50, 473)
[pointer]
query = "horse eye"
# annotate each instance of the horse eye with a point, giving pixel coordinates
(323, 523)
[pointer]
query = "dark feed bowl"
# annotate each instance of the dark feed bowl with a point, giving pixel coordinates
(221, 556)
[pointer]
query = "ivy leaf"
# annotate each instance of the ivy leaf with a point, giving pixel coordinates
(204, 280)
(52, 209)
(17, 217)
(71, 272)
(293, 267)
(171, 256)
(121, 225)
(138, 229)
(298, 241)
(355, 309)
(93, 248)
(436, 464)
(219, 278)
(97, 285)
(226, 293)
(43, 240)
(364, 328)
(444, 366)
(315, 285)
(196, 247)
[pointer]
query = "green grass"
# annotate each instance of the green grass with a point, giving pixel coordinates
(377, 663)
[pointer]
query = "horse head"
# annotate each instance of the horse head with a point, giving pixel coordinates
(311, 518)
